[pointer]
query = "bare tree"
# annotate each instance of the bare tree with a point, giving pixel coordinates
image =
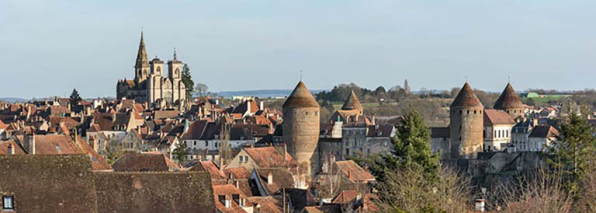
(201, 89)
(408, 191)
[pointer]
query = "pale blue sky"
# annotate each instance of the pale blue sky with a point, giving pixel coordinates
(49, 47)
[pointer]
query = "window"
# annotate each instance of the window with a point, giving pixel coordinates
(240, 159)
(7, 202)
(316, 113)
(347, 151)
(306, 113)
(245, 158)
(206, 143)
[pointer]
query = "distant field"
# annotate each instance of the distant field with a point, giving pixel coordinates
(338, 105)
(544, 99)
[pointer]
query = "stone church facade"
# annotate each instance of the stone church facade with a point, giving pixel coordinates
(150, 86)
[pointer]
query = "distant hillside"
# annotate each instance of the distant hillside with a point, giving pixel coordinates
(260, 93)
(12, 100)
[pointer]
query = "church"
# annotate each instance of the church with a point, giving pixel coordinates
(150, 86)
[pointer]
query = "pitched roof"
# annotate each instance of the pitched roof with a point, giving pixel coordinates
(213, 170)
(270, 204)
(508, 99)
(300, 98)
(352, 103)
(266, 157)
(195, 130)
(238, 173)
(353, 171)
(345, 197)
(494, 117)
(282, 178)
(227, 190)
(154, 192)
(53, 145)
(48, 183)
(466, 98)
(544, 132)
(135, 162)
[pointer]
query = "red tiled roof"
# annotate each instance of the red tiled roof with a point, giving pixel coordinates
(267, 157)
(494, 117)
(354, 172)
(345, 197)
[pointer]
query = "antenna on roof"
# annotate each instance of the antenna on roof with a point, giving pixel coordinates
(174, 53)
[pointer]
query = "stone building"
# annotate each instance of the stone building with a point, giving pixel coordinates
(497, 129)
(510, 102)
(466, 126)
(150, 86)
(301, 128)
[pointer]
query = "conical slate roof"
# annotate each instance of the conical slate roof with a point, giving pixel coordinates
(142, 54)
(508, 99)
(300, 97)
(466, 98)
(352, 102)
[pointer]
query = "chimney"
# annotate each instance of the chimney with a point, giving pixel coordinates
(228, 202)
(29, 143)
(270, 178)
(479, 205)
(10, 149)
(349, 174)
(261, 106)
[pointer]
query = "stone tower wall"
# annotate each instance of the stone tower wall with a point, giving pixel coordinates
(301, 134)
(515, 112)
(466, 130)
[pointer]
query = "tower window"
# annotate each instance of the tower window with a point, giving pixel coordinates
(460, 112)
(474, 112)
(7, 203)
(306, 113)
(468, 112)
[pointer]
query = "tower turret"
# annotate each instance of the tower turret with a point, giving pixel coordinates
(301, 128)
(175, 68)
(142, 63)
(352, 103)
(510, 102)
(466, 124)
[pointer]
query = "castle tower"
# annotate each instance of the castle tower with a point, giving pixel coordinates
(301, 128)
(175, 68)
(142, 63)
(466, 127)
(352, 103)
(510, 102)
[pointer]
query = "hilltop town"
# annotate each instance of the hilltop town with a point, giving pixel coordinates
(159, 148)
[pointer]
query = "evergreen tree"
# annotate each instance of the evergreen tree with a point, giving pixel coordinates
(411, 149)
(180, 152)
(188, 82)
(75, 98)
(571, 153)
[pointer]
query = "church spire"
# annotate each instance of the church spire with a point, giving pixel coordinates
(142, 54)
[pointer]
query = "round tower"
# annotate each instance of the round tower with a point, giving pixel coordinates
(301, 128)
(510, 102)
(352, 103)
(466, 127)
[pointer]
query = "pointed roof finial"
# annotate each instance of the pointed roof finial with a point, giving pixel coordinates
(174, 53)
(508, 79)
(300, 75)
(466, 78)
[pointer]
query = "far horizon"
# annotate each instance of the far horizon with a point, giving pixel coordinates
(248, 46)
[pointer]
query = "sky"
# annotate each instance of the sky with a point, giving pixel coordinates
(50, 47)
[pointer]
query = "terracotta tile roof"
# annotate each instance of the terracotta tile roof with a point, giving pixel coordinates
(98, 162)
(163, 114)
(213, 170)
(53, 145)
(466, 98)
(282, 178)
(238, 173)
(3, 125)
(15, 146)
(268, 157)
(300, 97)
(227, 191)
(352, 103)
(345, 197)
(354, 172)
(508, 99)
(269, 204)
(135, 162)
(326, 208)
(495, 117)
